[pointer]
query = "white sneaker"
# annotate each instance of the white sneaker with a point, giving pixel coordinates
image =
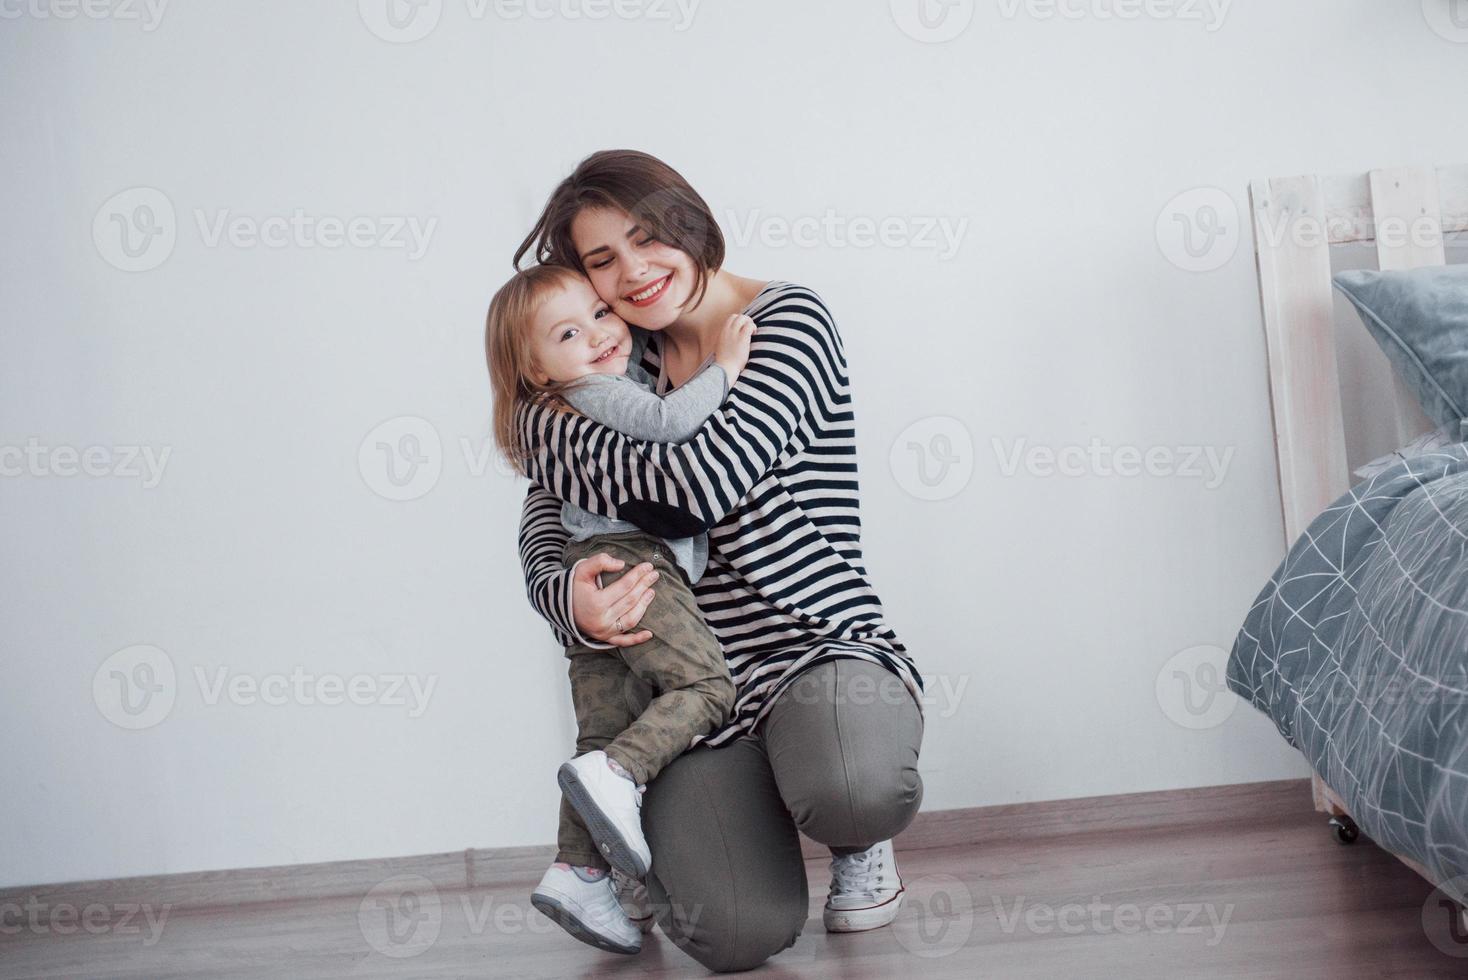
(611, 805)
(866, 890)
(588, 910)
(635, 901)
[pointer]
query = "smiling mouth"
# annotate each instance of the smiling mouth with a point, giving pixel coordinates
(651, 294)
(608, 354)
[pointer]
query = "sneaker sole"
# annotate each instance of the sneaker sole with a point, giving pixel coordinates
(567, 920)
(863, 920)
(608, 839)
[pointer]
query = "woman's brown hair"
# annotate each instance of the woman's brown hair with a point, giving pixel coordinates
(657, 197)
(511, 361)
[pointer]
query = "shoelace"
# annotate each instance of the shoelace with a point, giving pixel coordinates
(631, 893)
(856, 874)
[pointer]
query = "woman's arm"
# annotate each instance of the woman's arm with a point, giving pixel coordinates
(551, 587)
(542, 540)
(796, 369)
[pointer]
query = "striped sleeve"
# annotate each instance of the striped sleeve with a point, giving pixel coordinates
(796, 367)
(548, 584)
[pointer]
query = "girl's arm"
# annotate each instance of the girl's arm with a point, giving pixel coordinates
(636, 411)
(795, 373)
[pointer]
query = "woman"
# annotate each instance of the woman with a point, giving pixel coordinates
(826, 728)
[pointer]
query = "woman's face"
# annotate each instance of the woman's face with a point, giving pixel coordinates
(643, 280)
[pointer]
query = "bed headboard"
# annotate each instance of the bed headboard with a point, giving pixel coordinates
(1406, 213)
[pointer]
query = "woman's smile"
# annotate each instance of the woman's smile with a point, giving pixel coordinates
(650, 294)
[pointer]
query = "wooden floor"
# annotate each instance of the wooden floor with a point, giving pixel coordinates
(1282, 900)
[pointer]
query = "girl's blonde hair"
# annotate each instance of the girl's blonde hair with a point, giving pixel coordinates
(511, 359)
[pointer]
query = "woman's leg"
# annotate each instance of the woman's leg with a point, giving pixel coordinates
(843, 743)
(727, 879)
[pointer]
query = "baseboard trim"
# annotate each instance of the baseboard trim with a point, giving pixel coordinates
(1170, 810)
(1164, 811)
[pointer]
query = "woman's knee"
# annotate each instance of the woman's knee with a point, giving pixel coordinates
(856, 809)
(731, 933)
(727, 878)
(843, 742)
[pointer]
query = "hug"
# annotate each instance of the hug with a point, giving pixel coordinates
(693, 536)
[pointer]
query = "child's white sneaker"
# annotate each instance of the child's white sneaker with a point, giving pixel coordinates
(611, 805)
(588, 910)
(866, 890)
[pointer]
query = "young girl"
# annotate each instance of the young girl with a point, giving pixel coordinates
(550, 339)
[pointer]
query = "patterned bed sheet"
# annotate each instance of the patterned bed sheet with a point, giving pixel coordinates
(1357, 649)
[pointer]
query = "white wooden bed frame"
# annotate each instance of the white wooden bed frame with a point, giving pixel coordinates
(1406, 213)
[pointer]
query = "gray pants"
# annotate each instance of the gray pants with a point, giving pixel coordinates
(835, 759)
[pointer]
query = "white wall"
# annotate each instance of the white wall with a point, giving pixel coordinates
(1057, 600)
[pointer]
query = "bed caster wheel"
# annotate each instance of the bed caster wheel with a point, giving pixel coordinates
(1345, 829)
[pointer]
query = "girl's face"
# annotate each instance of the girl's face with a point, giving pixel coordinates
(573, 334)
(643, 280)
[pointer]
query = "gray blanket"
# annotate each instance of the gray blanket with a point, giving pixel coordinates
(1358, 650)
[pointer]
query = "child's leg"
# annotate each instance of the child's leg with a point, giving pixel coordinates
(574, 845)
(682, 662)
(600, 691)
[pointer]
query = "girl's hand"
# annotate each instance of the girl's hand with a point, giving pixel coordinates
(731, 348)
(598, 609)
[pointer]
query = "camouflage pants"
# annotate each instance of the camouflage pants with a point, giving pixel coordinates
(643, 704)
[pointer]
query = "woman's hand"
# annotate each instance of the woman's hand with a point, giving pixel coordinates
(731, 347)
(606, 614)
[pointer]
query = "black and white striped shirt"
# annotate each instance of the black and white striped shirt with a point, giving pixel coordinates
(771, 476)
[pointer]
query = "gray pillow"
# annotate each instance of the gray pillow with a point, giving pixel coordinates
(1419, 317)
